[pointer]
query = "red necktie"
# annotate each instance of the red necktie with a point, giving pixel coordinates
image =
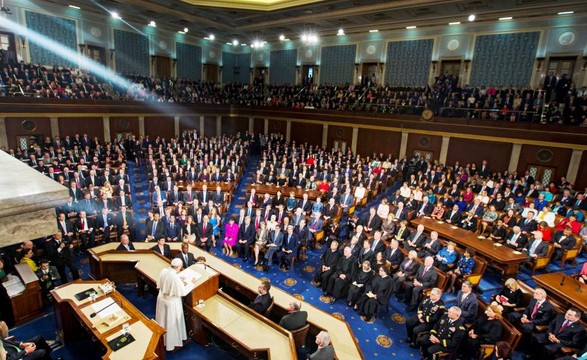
(204, 228)
(565, 324)
(535, 310)
(83, 224)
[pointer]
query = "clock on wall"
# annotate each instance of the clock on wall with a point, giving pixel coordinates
(567, 38)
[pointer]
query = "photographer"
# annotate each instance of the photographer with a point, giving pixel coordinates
(60, 253)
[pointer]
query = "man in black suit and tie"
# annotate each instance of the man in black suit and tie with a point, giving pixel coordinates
(528, 224)
(416, 239)
(538, 312)
(174, 196)
(425, 277)
(125, 244)
(246, 238)
(60, 253)
(105, 223)
(263, 300)
(65, 227)
(394, 255)
(536, 248)
(85, 228)
(424, 209)
(565, 330)
(561, 241)
(372, 222)
(205, 234)
(162, 248)
(296, 319)
(155, 228)
(186, 257)
(289, 249)
(400, 212)
(515, 239)
(467, 301)
(377, 245)
(125, 222)
(122, 200)
(172, 229)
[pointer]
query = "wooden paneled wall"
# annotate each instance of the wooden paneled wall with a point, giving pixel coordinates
(14, 128)
(378, 141)
(306, 133)
(468, 151)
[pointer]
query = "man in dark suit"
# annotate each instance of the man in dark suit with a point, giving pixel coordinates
(377, 244)
(85, 229)
(296, 318)
(263, 300)
(424, 209)
(400, 212)
(162, 248)
(60, 253)
(155, 228)
(469, 222)
(105, 224)
(172, 229)
(467, 302)
(204, 234)
(65, 227)
(289, 249)
(394, 255)
(204, 195)
(561, 241)
(246, 238)
(431, 246)
(446, 335)
(515, 239)
(425, 277)
(49, 278)
(125, 222)
(528, 224)
(536, 248)
(125, 244)
(35, 348)
(454, 216)
(416, 239)
(174, 197)
(305, 204)
(565, 330)
(346, 200)
(189, 195)
(186, 257)
(372, 222)
(538, 312)
(122, 200)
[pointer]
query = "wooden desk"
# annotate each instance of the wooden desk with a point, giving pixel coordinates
(248, 332)
(197, 185)
(501, 257)
(73, 321)
(343, 339)
(566, 293)
(28, 303)
(272, 189)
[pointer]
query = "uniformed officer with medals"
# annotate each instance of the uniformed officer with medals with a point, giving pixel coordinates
(446, 335)
(430, 311)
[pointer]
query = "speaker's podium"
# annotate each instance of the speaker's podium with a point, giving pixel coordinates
(121, 330)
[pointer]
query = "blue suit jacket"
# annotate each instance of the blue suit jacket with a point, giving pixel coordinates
(468, 306)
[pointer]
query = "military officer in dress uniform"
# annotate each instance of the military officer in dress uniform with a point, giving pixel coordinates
(446, 335)
(430, 311)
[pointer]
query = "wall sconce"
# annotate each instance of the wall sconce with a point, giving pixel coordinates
(357, 67)
(23, 42)
(434, 63)
(81, 47)
(381, 66)
(153, 57)
(540, 61)
(112, 51)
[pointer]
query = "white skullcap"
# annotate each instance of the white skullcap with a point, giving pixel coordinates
(176, 263)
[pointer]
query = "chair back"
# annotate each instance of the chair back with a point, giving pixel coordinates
(299, 336)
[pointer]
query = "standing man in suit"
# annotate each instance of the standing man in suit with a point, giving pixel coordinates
(125, 244)
(295, 319)
(289, 249)
(60, 253)
(49, 278)
(105, 223)
(172, 229)
(565, 330)
(274, 244)
(538, 312)
(162, 248)
(155, 228)
(85, 230)
(246, 238)
(205, 234)
(346, 200)
(425, 277)
(467, 302)
(263, 300)
(186, 257)
(125, 222)
(65, 227)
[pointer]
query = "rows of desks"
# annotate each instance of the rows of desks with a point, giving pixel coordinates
(145, 267)
(564, 288)
(502, 257)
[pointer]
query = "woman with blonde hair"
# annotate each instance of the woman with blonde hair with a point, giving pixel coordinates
(486, 329)
(261, 237)
(509, 297)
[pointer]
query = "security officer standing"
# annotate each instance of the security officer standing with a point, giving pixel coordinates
(430, 311)
(446, 335)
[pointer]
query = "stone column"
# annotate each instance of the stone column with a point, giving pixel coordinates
(444, 149)
(141, 125)
(106, 126)
(355, 140)
(201, 125)
(54, 126)
(3, 134)
(403, 146)
(287, 130)
(574, 164)
(176, 125)
(266, 126)
(218, 125)
(325, 135)
(515, 157)
(251, 124)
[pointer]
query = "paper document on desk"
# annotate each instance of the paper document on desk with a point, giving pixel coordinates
(189, 276)
(105, 308)
(13, 286)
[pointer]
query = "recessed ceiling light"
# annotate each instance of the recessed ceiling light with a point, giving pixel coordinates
(75, 7)
(211, 37)
(455, 23)
(153, 24)
(505, 18)
(115, 15)
(566, 12)
(185, 30)
(181, 32)
(234, 42)
(281, 37)
(373, 31)
(471, 17)
(340, 32)
(410, 27)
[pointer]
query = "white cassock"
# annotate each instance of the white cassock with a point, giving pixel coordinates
(169, 311)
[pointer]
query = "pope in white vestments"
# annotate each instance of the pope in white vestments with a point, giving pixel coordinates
(169, 311)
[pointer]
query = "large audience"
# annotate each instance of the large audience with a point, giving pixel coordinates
(558, 102)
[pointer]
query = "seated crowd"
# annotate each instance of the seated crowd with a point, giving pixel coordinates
(445, 97)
